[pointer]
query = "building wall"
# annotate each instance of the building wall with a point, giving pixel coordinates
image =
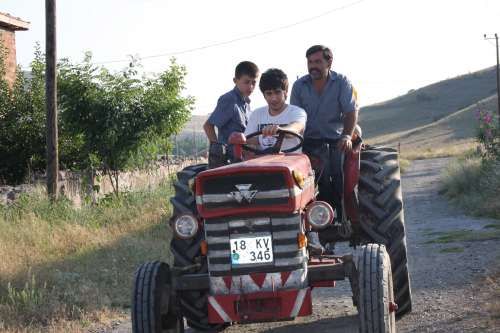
(9, 41)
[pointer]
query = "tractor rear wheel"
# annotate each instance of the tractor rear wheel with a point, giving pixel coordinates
(187, 253)
(382, 215)
(152, 304)
(376, 296)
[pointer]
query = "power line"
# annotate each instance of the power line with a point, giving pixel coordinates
(234, 40)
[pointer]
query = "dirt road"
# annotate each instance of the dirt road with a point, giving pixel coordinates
(447, 295)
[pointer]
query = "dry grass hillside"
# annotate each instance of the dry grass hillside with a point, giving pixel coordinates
(436, 120)
(448, 136)
(428, 104)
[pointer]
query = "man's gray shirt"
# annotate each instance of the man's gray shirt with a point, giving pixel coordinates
(325, 111)
(230, 114)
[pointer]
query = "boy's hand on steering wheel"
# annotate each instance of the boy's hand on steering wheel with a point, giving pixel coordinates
(270, 130)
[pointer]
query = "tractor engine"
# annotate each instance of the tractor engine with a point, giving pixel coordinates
(253, 220)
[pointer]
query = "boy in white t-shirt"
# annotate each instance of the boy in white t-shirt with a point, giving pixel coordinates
(277, 114)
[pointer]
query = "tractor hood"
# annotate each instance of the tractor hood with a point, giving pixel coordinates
(279, 183)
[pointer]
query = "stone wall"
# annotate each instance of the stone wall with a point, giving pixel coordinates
(77, 186)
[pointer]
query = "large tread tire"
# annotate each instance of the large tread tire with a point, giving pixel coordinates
(194, 304)
(375, 290)
(152, 306)
(382, 215)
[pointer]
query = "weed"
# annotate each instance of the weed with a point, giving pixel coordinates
(473, 185)
(463, 236)
(452, 250)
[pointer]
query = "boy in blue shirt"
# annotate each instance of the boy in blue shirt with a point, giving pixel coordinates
(231, 113)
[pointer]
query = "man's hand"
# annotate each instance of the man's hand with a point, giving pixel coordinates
(270, 130)
(344, 144)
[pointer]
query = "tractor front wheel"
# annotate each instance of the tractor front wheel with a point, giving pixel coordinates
(187, 253)
(152, 304)
(376, 297)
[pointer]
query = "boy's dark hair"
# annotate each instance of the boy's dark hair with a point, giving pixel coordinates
(327, 53)
(246, 68)
(273, 79)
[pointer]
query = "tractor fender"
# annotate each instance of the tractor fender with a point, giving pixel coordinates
(351, 179)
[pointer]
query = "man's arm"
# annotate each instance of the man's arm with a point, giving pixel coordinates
(210, 131)
(350, 120)
(349, 104)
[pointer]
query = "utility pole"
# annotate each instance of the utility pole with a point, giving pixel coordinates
(51, 98)
(498, 72)
(194, 144)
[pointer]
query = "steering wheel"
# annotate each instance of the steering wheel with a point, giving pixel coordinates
(276, 148)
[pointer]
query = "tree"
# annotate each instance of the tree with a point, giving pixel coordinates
(22, 125)
(115, 116)
(109, 121)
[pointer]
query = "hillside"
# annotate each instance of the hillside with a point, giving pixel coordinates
(428, 104)
(447, 136)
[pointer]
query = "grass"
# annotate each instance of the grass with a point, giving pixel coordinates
(404, 164)
(452, 250)
(473, 186)
(463, 236)
(451, 150)
(64, 269)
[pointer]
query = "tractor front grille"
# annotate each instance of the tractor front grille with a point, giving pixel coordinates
(283, 229)
(221, 192)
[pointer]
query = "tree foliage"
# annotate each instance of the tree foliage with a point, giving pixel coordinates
(109, 121)
(115, 115)
(22, 125)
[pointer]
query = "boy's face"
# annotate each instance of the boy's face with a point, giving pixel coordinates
(275, 99)
(245, 84)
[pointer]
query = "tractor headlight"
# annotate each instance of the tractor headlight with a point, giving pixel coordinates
(319, 214)
(185, 226)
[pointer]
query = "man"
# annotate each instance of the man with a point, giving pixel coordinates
(231, 113)
(277, 114)
(332, 112)
(328, 98)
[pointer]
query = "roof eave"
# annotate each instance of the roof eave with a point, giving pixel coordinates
(13, 23)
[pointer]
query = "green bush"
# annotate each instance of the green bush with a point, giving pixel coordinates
(108, 121)
(489, 134)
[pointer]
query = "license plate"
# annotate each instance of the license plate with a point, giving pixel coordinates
(251, 250)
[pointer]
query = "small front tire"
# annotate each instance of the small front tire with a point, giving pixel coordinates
(153, 307)
(376, 296)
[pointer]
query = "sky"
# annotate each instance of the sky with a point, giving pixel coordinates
(385, 47)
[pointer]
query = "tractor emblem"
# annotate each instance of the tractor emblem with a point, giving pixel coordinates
(244, 193)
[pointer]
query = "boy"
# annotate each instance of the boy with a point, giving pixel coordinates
(277, 114)
(231, 113)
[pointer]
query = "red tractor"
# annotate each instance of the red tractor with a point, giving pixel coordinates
(240, 246)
